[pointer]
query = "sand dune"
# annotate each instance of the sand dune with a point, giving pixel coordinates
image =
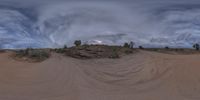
(141, 76)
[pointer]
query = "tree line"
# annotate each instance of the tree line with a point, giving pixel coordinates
(131, 45)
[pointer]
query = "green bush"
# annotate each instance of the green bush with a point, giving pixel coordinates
(128, 51)
(141, 47)
(65, 47)
(196, 46)
(167, 48)
(131, 45)
(77, 42)
(34, 54)
(40, 54)
(60, 50)
(114, 54)
(126, 45)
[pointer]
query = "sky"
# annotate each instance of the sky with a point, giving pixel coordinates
(55, 23)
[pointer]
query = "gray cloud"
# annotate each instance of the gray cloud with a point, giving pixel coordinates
(53, 23)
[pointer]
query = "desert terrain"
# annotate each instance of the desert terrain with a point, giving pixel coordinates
(144, 75)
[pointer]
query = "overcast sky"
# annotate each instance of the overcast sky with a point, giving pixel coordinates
(53, 23)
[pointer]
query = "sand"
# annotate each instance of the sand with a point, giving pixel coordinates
(141, 76)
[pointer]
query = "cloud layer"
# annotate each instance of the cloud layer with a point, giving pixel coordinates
(56, 23)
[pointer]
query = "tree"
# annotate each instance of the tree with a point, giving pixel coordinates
(167, 47)
(196, 46)
(141, 47)
(131, 44)
(126, 45)
(65, 47)
(77, 42)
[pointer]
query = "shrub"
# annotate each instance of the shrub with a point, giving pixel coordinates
(2, 51)
(126, 45)
(114, 54)
(60, 50)
(131, 44)
(23, 52)
(196, 46)
(65, 47)
(141, 47)
(36, 55)
(77, 42)
(167, 48)
(128, 51)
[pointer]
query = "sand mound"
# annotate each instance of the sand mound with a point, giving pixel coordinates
(141, 76)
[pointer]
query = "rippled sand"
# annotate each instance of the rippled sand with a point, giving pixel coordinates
(141, 76)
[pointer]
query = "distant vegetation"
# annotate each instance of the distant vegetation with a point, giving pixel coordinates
(169, 50)
(174, 50)
(65, 47)
(126, 45)
(2, 51)
(114, 53)
(129, 45)
(167, 47)
(77, 42)
(32, 55)
(93, 51)
(141, 47)
(96, 51)
(196, 46)
(60, 50)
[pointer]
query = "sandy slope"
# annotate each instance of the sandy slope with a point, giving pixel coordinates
(142, 76)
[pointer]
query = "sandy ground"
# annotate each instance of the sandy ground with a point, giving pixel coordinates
(141, 76)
